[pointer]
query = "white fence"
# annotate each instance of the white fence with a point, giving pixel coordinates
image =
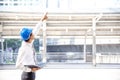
(107, 58)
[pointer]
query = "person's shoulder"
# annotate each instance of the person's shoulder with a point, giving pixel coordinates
(22, 48)
(24, 45)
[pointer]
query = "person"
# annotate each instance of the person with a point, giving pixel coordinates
(26, 54)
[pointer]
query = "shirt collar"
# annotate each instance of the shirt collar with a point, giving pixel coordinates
(26, 43)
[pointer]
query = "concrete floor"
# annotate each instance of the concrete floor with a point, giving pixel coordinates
(65, 74)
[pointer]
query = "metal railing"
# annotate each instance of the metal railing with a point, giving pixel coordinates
(65, 57)
(107, 58)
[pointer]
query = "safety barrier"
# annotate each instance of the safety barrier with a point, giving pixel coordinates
(111, 58)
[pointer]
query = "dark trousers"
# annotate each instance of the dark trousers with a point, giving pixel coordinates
(28, 76)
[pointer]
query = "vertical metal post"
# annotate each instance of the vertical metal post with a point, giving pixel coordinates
(40, 50)
(2, 53)
(94, 40)
(85, 46)
(44, 42)
(45, 4)
(69, 4)
(2, 46)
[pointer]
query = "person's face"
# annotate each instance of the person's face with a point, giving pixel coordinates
(31, 37)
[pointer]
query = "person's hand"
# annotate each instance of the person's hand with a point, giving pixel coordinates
(35, 69)
(44, 17)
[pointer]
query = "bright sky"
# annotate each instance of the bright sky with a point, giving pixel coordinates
(63, 4)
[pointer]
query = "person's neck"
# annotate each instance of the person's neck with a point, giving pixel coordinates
(29, 41)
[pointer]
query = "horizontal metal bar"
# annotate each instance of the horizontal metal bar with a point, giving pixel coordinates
(61, 27)
(58, 13)
(79, 37)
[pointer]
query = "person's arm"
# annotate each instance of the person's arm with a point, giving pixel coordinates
(19, 64)
(38, 25)
(22, 67)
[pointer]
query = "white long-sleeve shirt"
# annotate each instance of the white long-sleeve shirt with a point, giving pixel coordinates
(26, 52)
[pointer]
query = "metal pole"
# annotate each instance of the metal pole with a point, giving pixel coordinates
(2, 46)
(85, 47)
(44, 42)
(1, 51)
(94, 41)
(40, 50)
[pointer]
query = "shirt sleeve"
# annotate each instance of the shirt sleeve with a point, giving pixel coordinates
(22, 67)
(37, 28)
(19, 64)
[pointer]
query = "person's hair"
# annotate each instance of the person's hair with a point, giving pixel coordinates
(28, 39)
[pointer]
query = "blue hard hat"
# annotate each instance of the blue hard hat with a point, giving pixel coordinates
(25, 33)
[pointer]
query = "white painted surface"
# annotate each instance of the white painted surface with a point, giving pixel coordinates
(65, 74)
